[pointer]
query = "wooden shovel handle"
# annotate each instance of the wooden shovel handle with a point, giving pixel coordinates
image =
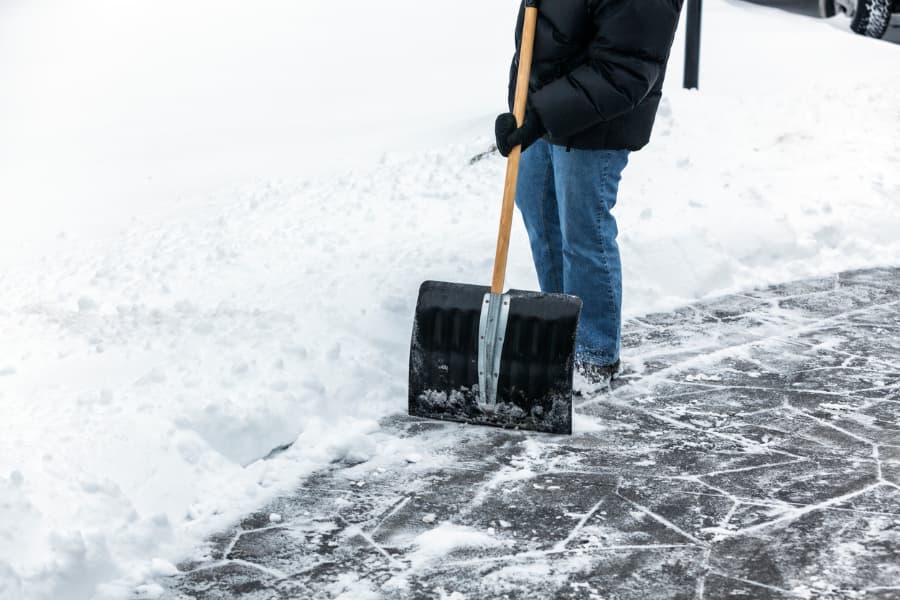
(512, 166)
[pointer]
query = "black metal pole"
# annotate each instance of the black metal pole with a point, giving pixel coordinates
(692, 45)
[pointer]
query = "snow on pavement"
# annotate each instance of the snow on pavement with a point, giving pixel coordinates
(146, 367)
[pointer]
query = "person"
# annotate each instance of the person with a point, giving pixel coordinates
(595, 87)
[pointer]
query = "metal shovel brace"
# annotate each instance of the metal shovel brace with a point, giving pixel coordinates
(485, 357)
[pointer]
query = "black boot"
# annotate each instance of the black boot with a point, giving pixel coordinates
(595, 377)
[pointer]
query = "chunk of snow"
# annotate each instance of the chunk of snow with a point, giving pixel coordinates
(163, 568)
(446, 538)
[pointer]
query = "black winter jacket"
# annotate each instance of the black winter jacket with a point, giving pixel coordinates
(598, 69)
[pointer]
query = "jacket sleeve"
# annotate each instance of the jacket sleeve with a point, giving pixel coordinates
(626, 59)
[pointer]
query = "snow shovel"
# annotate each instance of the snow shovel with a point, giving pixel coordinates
(485, 357)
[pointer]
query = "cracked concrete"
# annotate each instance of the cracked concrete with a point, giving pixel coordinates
(752, 450)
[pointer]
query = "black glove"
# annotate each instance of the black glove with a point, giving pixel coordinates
(509, 135)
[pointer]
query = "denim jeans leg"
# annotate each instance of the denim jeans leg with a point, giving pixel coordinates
(587, 183)
(536, 199)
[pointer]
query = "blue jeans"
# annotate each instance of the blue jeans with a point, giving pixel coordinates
(566, 199)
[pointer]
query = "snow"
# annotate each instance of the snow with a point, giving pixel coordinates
(217, 216)
(349, 587)
(440, 541)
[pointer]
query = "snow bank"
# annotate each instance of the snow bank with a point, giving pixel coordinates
(167, 321)
(784, 166)
(137, 110)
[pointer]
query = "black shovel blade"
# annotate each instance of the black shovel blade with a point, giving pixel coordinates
(535, 384)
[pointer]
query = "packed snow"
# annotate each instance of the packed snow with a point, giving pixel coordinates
(217, 215)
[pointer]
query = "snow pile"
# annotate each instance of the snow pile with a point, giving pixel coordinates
(168, 324)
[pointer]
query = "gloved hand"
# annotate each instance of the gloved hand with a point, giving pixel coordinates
(509, 135)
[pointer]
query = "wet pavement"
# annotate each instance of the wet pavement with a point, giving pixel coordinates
(751, 451)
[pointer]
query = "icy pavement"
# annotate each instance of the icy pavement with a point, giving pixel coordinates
(753, 451)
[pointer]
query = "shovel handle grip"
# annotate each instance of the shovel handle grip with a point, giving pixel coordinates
(526, 54)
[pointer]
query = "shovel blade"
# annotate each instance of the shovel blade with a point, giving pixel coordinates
(534, 390)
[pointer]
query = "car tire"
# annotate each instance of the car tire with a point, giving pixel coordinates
(827, 9)
(872, 17)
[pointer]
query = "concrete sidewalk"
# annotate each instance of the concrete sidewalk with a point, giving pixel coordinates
(753, 451)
